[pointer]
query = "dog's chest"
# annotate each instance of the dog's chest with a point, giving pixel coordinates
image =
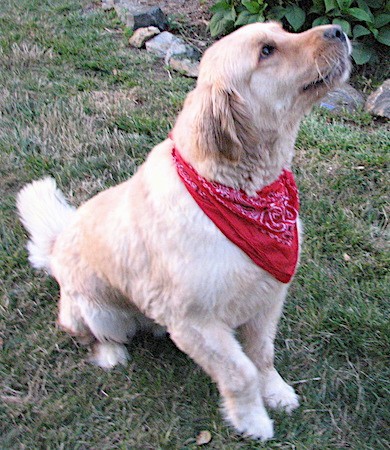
(214, 276)
(192, 267)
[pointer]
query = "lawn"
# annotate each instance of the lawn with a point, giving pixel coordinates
(78, 104)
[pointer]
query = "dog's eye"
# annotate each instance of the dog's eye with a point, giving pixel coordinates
(266, 51)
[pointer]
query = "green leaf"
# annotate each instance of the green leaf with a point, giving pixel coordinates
(375, 4)
(296, 16)
(220, 23)
(233, 14)
(276, 13)
(384, 36)
(381, 20)
(344, 4)
(243, 18)
(230, 15)
(260, 17)
(252, 7)
(329, 5)
(263, 8)
(216, 25)
(363, 5)
(318, 7)
(320, 21)
(220, 6)
(256, 18)
(362, 53)
(374, 31)
(359, 30)
(360, 14)
(315, 10)
(344, 25)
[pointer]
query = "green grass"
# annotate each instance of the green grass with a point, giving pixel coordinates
(78, 104)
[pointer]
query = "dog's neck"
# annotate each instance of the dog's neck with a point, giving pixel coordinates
(254, 170)
(265, 140)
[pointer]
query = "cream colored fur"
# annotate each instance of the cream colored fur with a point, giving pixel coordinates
(143, 255)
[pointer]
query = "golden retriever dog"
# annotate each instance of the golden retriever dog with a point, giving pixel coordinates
(153, 253)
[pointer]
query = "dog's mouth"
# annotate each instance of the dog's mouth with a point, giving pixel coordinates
(338, 73)
(320, 82)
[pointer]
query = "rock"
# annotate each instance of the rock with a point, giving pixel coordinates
(107, 5)
(124, 13)
(204, 437)
(185, 66)
(182, 50)
(135, 16)
(166, 45)
(344, 98)
(151, 17)
(378, 103)
(160, 44)
(141, 35)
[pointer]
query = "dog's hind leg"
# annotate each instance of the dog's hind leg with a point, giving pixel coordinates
(109, 354)
(70, 319)
(108, 328)
(258, 340)
(214, 348)
(112, 327)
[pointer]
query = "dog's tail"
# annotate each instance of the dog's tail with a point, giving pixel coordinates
(44, 212)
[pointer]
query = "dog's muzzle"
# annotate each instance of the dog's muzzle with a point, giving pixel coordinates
(337, 34)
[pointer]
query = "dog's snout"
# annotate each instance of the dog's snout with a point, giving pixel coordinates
(335, 33)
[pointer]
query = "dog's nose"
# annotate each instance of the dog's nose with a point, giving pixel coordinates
(335, 32)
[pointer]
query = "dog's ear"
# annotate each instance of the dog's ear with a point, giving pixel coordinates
(223, 126)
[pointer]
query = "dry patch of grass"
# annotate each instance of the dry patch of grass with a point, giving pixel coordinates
(24, 55)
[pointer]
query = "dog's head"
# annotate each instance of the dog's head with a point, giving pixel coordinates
(261, 78)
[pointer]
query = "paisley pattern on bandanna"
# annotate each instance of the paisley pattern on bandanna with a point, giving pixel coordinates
(263, 226)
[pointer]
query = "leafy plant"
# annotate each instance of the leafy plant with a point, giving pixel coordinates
(363, 20)
(366, 22)
(224, 16)
(250, 12)
(229, 15)
(293, 14)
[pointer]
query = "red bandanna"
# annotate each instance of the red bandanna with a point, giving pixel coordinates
(264, 226)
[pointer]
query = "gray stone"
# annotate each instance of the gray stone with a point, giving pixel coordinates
(179, 49)
(141, 35)
(160, 44)
(344, 98)
(378, 103)
(166, 45)
(185, 66)
(135, 16)
(125, 12)
(152, 17)
(107, 5)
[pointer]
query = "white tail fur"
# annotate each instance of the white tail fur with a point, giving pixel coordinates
(44, 213)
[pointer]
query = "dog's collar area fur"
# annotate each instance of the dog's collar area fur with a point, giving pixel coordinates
(263, 226)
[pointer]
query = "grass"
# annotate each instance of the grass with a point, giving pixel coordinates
(78, 104)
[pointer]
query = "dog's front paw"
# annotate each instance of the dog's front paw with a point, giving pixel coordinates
(254, 423)
(277, 394)
(261, 428)
(109, 354)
